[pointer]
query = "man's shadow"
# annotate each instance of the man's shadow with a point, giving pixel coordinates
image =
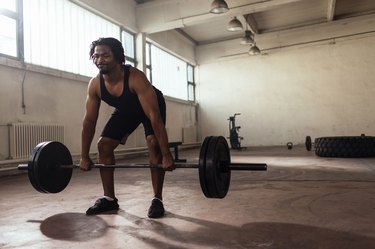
(79, 227)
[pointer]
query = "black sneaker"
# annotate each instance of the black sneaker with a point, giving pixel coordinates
(156, 209)
(102, 205)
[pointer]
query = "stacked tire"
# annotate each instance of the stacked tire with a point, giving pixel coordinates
(347, 147)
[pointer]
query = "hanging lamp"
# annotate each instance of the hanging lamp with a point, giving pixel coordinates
(234, 25)
(254, 50)
(219, 7)
(248, 39)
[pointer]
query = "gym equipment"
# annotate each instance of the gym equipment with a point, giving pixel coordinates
(175, 145)
(234, 138)
(50, 167)
(289, 145)
(342, 146)
(308, 143)
(345, 146)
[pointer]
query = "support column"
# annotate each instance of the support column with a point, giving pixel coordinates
(140, 53)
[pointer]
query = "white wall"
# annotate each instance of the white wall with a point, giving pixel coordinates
(318, 90)
(120, 11)
(54, 97)
(175, 43)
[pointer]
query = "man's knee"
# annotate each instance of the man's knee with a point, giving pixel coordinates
(153, 147)
(106, 147)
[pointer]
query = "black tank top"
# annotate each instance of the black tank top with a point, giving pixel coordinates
(128, 102)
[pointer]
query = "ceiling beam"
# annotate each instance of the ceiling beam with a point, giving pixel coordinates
(324, 33)
(331, 10)
(152, 18)
(250, 20)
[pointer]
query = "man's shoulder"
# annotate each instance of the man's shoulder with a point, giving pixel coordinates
(136, 74)
(134, 70)
(94, 83)
(95, 79)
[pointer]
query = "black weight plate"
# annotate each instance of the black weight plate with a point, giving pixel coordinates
(50, 177)
(202, 166)
(218, 167)
(210, 172)
(308, 143)
(31, 169)
(224, 173)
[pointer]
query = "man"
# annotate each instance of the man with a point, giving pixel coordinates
(136, 101)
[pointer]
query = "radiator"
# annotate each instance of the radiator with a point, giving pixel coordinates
(23, 137)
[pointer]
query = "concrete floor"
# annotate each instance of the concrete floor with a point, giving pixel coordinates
(302, 201)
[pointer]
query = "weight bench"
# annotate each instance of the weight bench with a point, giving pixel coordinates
(175, 146)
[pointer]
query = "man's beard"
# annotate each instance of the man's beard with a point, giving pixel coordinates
(104, 71)
(106, 68)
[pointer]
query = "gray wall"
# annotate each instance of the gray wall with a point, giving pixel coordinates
(322, 89)
(53, 97)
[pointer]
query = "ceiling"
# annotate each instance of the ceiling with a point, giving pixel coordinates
(193, 20)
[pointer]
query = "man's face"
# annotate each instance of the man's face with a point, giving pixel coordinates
(103, 59)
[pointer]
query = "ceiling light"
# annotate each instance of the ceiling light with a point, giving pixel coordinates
(234, 25)
(254, 50)
(248, 38)
(219, 6)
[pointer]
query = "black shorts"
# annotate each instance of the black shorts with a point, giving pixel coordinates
(120, 125)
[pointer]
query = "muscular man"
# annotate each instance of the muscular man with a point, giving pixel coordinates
(136, 101)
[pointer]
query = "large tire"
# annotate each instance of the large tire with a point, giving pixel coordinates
(350, 146)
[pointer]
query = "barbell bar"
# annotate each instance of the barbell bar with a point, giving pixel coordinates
(50, 167)
(232, 166)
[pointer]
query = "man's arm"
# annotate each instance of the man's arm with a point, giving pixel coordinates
(89, 123)
(148, 99)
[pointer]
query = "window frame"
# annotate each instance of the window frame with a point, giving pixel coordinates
(18, 16)
(191, 83)
(148, 51)
(127, 57)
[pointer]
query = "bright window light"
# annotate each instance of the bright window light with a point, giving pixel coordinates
(8, 4)
(58, 35)
(169, 73)
(8, 36)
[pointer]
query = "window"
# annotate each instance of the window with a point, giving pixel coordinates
(9, 19)
(173, 76)
(148, 61)
(191, 82)
(56, 34)
(60, 34)
(8, 5)
(128, 41)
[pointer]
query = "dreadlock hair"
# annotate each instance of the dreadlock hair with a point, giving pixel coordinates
(115, 46)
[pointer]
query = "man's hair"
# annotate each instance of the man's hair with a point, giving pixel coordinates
(115, 46)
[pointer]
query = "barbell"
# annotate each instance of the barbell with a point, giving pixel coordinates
(50, 167)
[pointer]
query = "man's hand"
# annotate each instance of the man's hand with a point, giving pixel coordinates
(85, 164)
(168, 162)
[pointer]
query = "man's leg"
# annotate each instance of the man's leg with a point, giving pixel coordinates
(106, 148)
(157, 177)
